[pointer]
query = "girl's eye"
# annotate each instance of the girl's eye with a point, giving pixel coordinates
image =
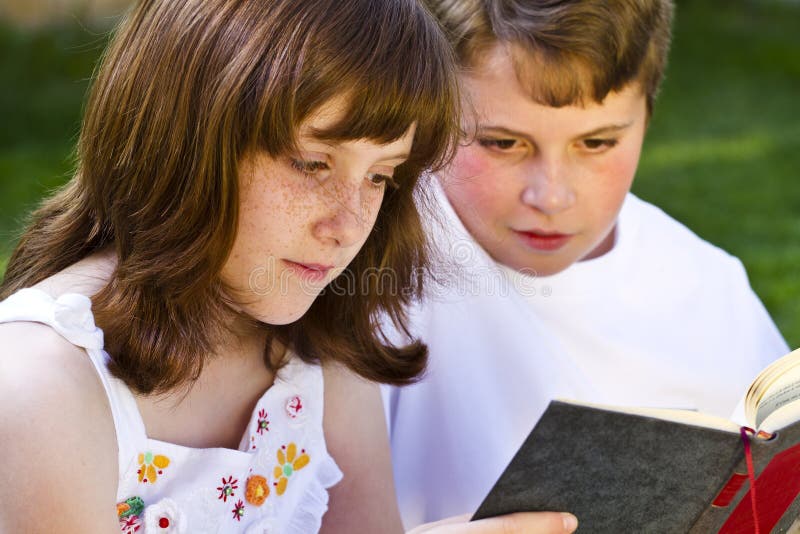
(500, 144)
(597, 144)
(378, 180)
(308, 167)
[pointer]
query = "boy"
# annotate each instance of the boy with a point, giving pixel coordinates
(571, 286)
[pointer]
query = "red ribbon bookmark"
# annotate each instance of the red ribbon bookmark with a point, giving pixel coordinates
(751, 474)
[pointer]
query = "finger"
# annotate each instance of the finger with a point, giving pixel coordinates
(520, 523)
(527, 523)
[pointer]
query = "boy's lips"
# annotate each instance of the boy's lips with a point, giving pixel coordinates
(541, 240)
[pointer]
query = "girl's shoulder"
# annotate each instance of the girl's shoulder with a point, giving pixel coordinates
(56, 427)
(56, 431)
(38, 362)
(43, 334)
(41, 371)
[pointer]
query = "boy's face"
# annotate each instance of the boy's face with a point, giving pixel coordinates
(540, 187)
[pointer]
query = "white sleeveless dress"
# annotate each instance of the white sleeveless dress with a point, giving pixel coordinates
(276, 482)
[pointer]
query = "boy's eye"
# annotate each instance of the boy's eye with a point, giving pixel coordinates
(595, 144)
(378, 180)
(500, 144)
(308, 167)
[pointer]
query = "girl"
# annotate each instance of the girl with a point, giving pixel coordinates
(236, 157)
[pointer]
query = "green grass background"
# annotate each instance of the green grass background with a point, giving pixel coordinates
(722, 154)
(723, 151)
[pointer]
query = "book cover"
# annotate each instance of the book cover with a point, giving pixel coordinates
(622, 472)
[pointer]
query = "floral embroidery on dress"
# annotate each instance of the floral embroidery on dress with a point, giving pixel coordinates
(257, 490)
(238, 510)
(164, 517)
(150, 466)
(295, 407)
(288, 463)
(263, 422)
(130, 506)
(130, 524)
(129, 513)
(227, 488)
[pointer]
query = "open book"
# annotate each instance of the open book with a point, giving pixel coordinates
(652, 470)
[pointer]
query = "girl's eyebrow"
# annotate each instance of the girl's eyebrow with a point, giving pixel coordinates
(400, 156)
(313, 138)
(403, 156)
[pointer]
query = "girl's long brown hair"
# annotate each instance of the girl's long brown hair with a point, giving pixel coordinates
(186, 87)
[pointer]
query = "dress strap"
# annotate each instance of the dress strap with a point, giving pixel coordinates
(71, 316)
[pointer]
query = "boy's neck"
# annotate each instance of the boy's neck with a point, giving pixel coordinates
(605, 246)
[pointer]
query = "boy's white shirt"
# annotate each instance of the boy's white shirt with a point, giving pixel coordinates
(664, 319)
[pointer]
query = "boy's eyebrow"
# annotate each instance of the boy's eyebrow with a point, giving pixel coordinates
(609, 128)
(606, 129)
(503, 130)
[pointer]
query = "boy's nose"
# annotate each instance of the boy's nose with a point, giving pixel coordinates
(548, 193)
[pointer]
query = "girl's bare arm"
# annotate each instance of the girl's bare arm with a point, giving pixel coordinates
(365, 501)
(59, 460)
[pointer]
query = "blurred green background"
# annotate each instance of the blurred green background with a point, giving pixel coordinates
(722, 154)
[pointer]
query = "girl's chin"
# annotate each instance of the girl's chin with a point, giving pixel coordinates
(280, 316)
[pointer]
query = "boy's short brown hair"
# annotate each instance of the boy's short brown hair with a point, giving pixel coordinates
(566, 52)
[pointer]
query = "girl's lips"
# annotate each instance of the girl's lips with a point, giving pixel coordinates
(543, 241)
(311, 272)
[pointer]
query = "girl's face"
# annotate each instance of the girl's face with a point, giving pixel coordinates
(540, 187)
(304, 217)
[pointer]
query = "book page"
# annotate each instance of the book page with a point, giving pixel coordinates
(775, 387)
(781, 417)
